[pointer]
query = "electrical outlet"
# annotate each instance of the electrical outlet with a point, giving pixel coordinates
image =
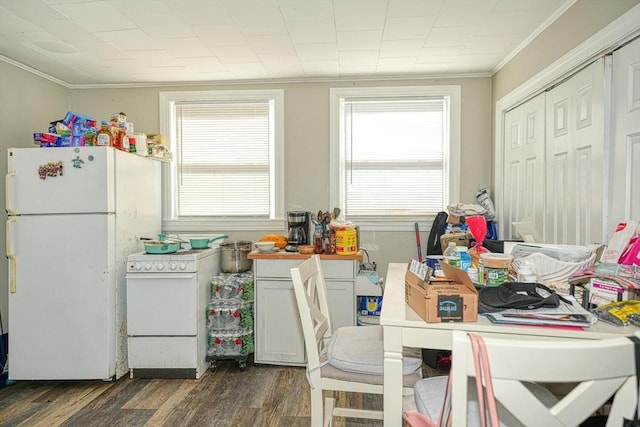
(370, 247)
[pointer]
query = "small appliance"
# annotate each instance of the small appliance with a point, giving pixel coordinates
(298, 224)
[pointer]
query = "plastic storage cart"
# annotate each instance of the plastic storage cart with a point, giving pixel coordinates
(230, 319)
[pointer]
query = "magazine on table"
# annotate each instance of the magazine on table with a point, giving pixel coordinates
(564, 315)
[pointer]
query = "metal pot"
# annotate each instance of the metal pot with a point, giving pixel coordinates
(233, 256)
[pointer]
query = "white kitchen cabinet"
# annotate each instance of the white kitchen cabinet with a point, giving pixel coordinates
(278, 334)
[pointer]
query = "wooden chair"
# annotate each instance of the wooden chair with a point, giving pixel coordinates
(349, 359)
(596, 371)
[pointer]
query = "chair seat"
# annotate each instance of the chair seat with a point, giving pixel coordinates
(429, 395)
(359, 349)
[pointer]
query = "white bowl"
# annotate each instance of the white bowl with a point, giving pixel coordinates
(265, 246)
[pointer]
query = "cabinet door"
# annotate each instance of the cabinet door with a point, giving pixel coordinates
(341, 296)
(278, 332)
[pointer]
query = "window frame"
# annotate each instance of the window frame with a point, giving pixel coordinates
(170, 221)
(451, 154)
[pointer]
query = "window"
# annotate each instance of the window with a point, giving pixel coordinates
(227, 163)
(395, 153)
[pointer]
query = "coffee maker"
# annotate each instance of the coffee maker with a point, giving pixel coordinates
(298, 224)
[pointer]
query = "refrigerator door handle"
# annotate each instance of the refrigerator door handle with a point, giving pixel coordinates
(11, 255)
(8, 194)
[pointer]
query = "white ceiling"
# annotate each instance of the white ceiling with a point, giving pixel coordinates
(93, 42)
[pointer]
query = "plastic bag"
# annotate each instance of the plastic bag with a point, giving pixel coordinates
(478, 228)
(619, 241)
(631, 254)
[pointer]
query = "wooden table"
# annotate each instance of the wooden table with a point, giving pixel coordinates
(403, 327)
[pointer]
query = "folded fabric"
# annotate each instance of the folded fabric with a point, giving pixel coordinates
(360, 349)
(463, 209)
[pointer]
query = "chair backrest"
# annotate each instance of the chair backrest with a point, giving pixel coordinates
(311, 297)
(600, 368)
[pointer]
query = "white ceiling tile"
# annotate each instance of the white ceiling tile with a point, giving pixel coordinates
(431, 55)
(317, 52)
(450, 36)
(141, 7)
(202, 65)
(256, 16)
(320, 68)
(162, 26)
(481, 45)
(455, 13)
(436, 68)
(316, 10)
(235, 54)
(544, 6)
(411, 8)
(357, 70)
(271, 44)
(394, 65)
(407, 28)
(129, 40)
(201, 12)
(359, 40)
(401, 48)
(360, 15)
(185, 48)
(68, 31)
(11, 23)
(508, 23)
(96, 16)
(312, 32)
(248, 70)
(33, 10)
(220, 35)
(353, 58)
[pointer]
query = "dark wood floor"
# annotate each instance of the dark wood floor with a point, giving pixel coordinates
(258, 396)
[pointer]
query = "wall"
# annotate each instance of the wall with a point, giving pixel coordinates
(27, 104)
(578, 23)
(307, 144)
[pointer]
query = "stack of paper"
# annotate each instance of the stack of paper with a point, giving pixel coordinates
(564, 315)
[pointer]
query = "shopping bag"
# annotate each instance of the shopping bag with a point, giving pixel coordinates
(487, 404)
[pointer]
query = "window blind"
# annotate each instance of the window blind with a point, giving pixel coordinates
(394, 151)
(224, 160)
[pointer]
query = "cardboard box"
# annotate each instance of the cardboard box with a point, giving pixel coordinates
(460, 239)
(603, 291)
(452, 300)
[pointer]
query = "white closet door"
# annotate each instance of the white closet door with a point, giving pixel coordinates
(575, 142)
(624, 194)
(524, 171)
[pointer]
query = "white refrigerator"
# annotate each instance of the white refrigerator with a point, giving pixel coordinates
(75, 214)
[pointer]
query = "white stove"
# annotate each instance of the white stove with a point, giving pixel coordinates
(182, 261)
(167, 296)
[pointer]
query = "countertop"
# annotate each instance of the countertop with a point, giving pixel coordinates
(282, 254)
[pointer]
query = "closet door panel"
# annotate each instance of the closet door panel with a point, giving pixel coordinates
(624, 195)
(575, 142)
(525, 171)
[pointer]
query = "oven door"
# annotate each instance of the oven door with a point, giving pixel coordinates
(162, 304)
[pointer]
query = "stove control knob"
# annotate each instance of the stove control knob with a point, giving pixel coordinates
(147, 266)
(160, 266)
(138, 266)
(173, 266)
(182, 266)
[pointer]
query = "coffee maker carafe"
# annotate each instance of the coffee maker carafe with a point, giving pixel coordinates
(298, 223)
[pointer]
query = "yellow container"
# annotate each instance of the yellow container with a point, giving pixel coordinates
(346, 242)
